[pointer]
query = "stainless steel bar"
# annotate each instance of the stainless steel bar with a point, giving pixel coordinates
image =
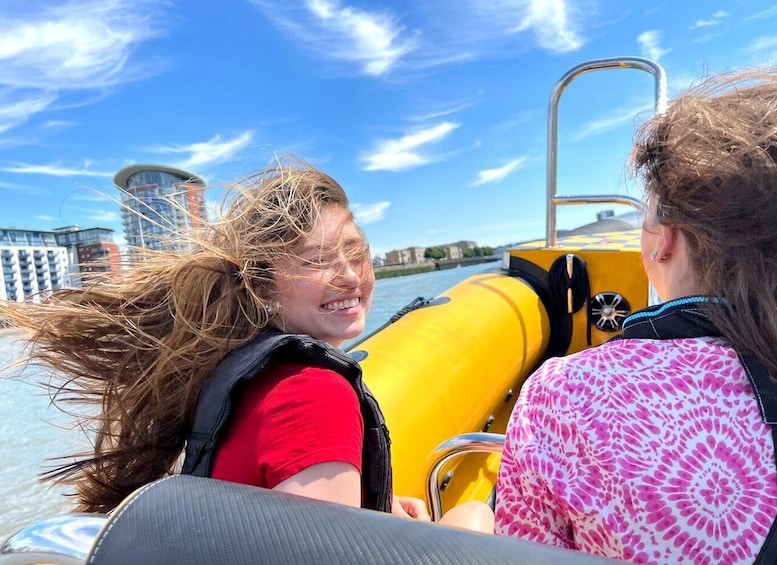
(453, 447)
(552, 151)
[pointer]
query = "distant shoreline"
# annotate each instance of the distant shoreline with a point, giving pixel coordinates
(390, 271)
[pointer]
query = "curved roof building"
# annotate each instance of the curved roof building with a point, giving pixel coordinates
(158, 204)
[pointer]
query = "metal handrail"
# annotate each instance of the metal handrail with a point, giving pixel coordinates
(478, 442)
(65, 538)
(553, 200)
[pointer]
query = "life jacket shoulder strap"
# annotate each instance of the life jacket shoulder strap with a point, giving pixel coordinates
(217, 398)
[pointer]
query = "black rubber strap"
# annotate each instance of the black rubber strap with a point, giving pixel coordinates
(561, 283)
(560, 323)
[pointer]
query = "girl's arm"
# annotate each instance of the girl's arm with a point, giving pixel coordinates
(333, 481)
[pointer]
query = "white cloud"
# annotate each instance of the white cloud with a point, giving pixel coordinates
(704, 23)
(494, 175)
(373, 40)
(763, 43)
(551, 23)
(104, 216)
(54, 170)
(73, 45)
(370, 213)
(52, 124)
(47, 48)
(211, 152)
(44, 218)
(762, 15)
(378, 42)
(716, 18)
(615, 119)
(16, 108)
(403, 153)
(764, 51)
(25, 189)
(649, 44)
(98, 215)
(436, 114)
(90, 195)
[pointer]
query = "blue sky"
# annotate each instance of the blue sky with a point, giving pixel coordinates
(431, 113)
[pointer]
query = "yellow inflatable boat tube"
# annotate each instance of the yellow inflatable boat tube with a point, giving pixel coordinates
(452, 368)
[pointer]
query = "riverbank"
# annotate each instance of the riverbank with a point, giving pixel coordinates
(402, 270)
(465, 262)
(416, 268)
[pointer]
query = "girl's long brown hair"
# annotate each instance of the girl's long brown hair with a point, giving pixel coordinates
(711, 163)
(139, 342)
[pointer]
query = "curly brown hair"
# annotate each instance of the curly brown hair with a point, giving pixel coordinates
(139, 342)
(711, 163)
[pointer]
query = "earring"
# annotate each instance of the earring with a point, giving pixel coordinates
(269, 308)
(654, 255)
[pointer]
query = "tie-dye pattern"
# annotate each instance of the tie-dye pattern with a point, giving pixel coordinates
(642, 450)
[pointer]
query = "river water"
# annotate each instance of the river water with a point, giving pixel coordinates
(33, 431)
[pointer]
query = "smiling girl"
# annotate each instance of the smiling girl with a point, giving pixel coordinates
(228, 352)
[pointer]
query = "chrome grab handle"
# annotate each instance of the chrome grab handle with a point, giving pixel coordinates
(63, 539)
(458, 445)
(552, 165)
(600, 199)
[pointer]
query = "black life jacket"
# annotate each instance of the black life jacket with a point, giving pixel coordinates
(684, 317)
(221, 391)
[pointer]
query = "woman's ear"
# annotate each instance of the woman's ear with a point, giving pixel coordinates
(667, 242)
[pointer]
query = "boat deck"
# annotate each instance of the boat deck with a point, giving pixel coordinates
(622, 240)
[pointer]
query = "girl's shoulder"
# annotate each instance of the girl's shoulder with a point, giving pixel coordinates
(628, 362)
(305, 383)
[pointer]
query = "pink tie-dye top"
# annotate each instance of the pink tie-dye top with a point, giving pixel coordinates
(643, 450)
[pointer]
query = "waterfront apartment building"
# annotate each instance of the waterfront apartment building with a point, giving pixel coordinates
(89, 250)
(33, 264)
(159, 204)
(413, 255)
(452, 251)
(408, 256)
(465, 244)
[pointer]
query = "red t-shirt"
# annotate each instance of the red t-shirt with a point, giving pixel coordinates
(288, 418)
